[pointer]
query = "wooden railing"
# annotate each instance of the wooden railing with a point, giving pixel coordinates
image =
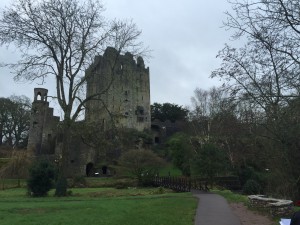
(184, 184)
(181, 184)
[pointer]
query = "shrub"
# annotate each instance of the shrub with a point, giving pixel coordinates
(159, 191)
(251, 187)
(181, 152)
(209, 162)
(142, 164)
(79, 182)
(125, 183)
(146, 179)
(41, 176)
(250, 173)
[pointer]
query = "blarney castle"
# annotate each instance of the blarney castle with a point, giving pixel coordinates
(127, 98)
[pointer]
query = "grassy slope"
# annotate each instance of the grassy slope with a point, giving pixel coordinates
(93, 206)
(232, 197)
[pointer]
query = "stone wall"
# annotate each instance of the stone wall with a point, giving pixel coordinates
(276, 207)
(119, 88)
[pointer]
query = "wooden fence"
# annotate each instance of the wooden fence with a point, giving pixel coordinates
(184, 184)
(181, 184)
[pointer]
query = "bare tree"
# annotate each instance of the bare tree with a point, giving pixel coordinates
(60, 38)
(266, 68)
(264, 72)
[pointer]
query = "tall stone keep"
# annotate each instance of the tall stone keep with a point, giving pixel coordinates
(43, 125)
(124, 88)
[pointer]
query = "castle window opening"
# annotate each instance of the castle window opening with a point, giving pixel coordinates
(126, 114)
(39, 96)
(104, 170)
(89, 169)
(156, 140)
(140, 110)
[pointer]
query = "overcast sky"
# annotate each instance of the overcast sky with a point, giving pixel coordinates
(185, 37)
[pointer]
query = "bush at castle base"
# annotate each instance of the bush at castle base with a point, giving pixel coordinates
(41, 176)
(252, 187)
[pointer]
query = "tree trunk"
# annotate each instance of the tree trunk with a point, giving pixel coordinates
(1, 133)
(61, 184)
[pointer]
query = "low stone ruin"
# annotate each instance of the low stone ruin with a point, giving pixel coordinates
(276, 207)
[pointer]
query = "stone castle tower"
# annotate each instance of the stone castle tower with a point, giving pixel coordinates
(125, 100)
(125, 91)
(43, 125)
(45, 138)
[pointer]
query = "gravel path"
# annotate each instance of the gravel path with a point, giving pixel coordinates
(213, 209)
(248, 217)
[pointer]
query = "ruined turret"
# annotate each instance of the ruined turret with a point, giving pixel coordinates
(43, 125)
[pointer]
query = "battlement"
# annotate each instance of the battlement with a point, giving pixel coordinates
(117, 61)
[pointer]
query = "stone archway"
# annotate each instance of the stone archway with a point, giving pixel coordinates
(89, 169)
(104, 170)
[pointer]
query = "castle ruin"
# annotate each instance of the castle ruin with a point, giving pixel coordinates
(124, 102)
(125, 91)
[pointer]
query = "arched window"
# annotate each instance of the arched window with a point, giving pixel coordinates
(39, 96)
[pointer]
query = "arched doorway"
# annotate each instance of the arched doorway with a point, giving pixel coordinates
(89, 169)
(104, 170)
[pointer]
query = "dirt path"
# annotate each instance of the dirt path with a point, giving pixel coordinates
(248, 217)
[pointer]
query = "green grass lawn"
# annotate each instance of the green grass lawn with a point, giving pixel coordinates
(105, 206)
(232, 197)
